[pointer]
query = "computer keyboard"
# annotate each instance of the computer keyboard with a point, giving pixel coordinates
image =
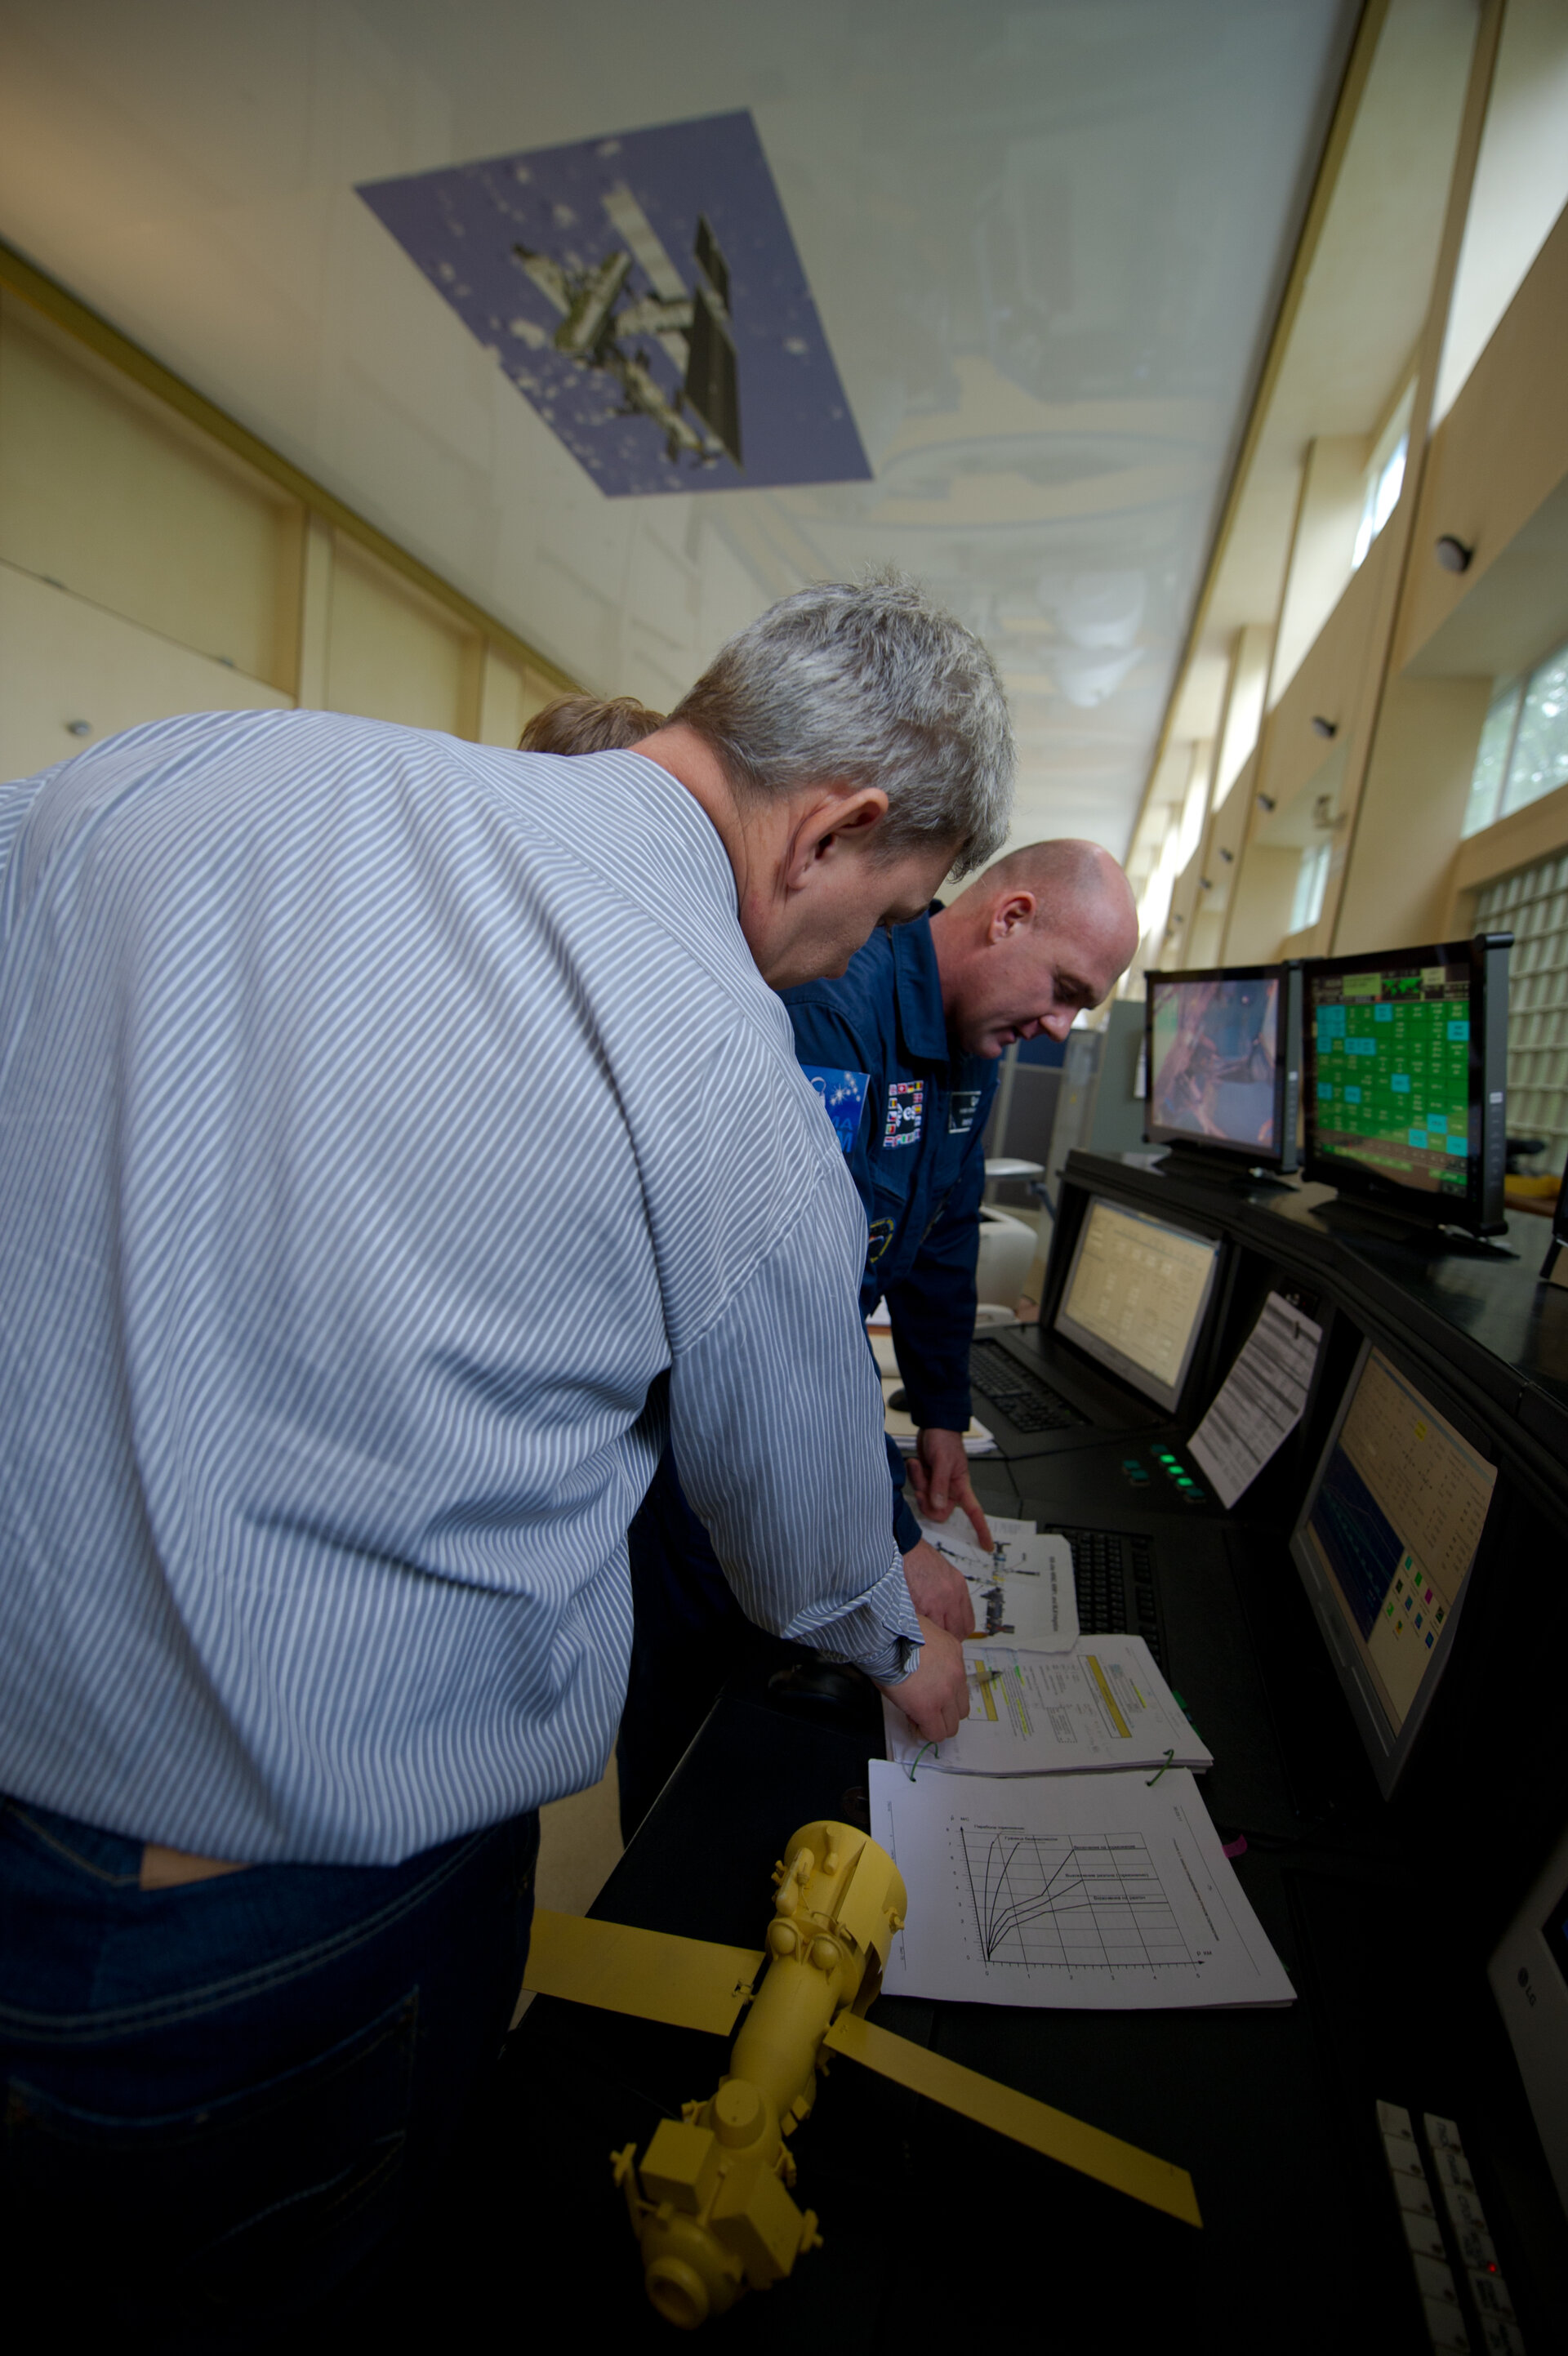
(1026, 1400)
(1113, 1571)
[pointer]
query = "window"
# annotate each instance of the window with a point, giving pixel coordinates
(1385, 477)
(1533, 904)
(1539, 762)
(1523, 752)
(1311, 882)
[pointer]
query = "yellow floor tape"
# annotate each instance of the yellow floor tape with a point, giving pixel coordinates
(1092, 2153)
(689, 1983)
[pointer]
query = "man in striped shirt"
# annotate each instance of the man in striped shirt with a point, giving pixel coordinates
(398, 1140)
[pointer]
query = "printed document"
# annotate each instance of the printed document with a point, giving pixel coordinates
(1022, 1593)
(1261, 1401)
(1104, 1705)
(1097, 1893)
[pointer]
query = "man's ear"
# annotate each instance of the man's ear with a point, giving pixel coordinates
(829, 824)
(1010, 915)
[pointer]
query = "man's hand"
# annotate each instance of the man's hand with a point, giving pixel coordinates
(934, 1697)
(937, 1590)
(939, 1475)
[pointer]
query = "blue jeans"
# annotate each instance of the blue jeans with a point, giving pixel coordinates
(221, 2098)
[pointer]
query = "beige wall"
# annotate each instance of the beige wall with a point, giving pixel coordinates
(148, 568)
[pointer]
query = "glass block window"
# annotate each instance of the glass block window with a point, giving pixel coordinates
(1523, 752)
(1533, 904)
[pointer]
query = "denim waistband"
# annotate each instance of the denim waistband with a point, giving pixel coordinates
(110, 1856)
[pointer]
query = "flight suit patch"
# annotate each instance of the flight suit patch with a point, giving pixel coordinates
(961, 1107)
(843, 1095)
(878, 1240)
(906, 1103)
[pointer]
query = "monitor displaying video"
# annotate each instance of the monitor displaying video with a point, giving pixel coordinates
(1135, 1296)
(1385, 1544)
(1214, 1060)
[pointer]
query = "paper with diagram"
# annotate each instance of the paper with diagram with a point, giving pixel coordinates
(1098, 1893)
(1022, 1593)
(1102, 1705)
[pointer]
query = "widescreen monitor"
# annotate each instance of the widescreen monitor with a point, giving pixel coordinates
(1406, 1055)
(1223, 1063)
(1384, 1546)
(1135, 1296)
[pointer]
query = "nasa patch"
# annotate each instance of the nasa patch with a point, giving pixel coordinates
(906, 1104)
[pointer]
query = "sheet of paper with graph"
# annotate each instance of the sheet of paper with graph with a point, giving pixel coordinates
(1095, 1893)
(1104, 1705)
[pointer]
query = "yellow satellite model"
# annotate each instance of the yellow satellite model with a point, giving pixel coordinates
(712, 2203)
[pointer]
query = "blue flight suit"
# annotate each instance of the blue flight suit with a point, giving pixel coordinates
(918, 1161)
(911, 1114)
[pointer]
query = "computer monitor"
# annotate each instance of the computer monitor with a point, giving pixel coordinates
(1384, 1547)
(1406, 1055)
(1223, 1061)
(1135, 1296)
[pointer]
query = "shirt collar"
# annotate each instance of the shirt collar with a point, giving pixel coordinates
(921, 1022)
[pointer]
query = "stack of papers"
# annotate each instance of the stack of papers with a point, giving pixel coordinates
(904, 1432)
(1104, 1705)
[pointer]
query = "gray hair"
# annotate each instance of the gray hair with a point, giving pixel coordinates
(861, 685)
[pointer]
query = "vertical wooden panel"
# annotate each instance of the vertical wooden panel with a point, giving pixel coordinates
(129, 508)
(393, 654)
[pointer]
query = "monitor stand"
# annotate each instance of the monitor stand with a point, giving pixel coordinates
(1209, 1171)
(1380, 1225)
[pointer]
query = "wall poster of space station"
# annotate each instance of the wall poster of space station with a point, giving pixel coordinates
(644, 293)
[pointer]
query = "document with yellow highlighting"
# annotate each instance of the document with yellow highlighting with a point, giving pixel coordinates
(1102, 1705)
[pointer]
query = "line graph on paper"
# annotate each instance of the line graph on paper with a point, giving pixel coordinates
(1090, 1903)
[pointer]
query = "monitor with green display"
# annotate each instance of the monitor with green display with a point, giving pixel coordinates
(1405, 1095)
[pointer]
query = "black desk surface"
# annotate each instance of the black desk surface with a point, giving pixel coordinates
(932, 2224)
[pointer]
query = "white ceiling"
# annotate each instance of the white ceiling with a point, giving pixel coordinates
(1045, 242)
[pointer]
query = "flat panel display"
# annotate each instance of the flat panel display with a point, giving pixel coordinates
(1135, 1296)
(1385, 1544)
(1405, 1091)
(1224, 1052)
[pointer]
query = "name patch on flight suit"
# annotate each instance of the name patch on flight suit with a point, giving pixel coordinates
(961, 1106)
(906, 1103)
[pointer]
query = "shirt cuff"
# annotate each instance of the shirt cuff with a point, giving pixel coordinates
(946, 1411)
(881, 1636)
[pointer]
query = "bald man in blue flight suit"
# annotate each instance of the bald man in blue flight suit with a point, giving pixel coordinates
(903, 1048)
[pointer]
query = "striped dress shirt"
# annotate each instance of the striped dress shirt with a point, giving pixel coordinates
(397, 1142)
